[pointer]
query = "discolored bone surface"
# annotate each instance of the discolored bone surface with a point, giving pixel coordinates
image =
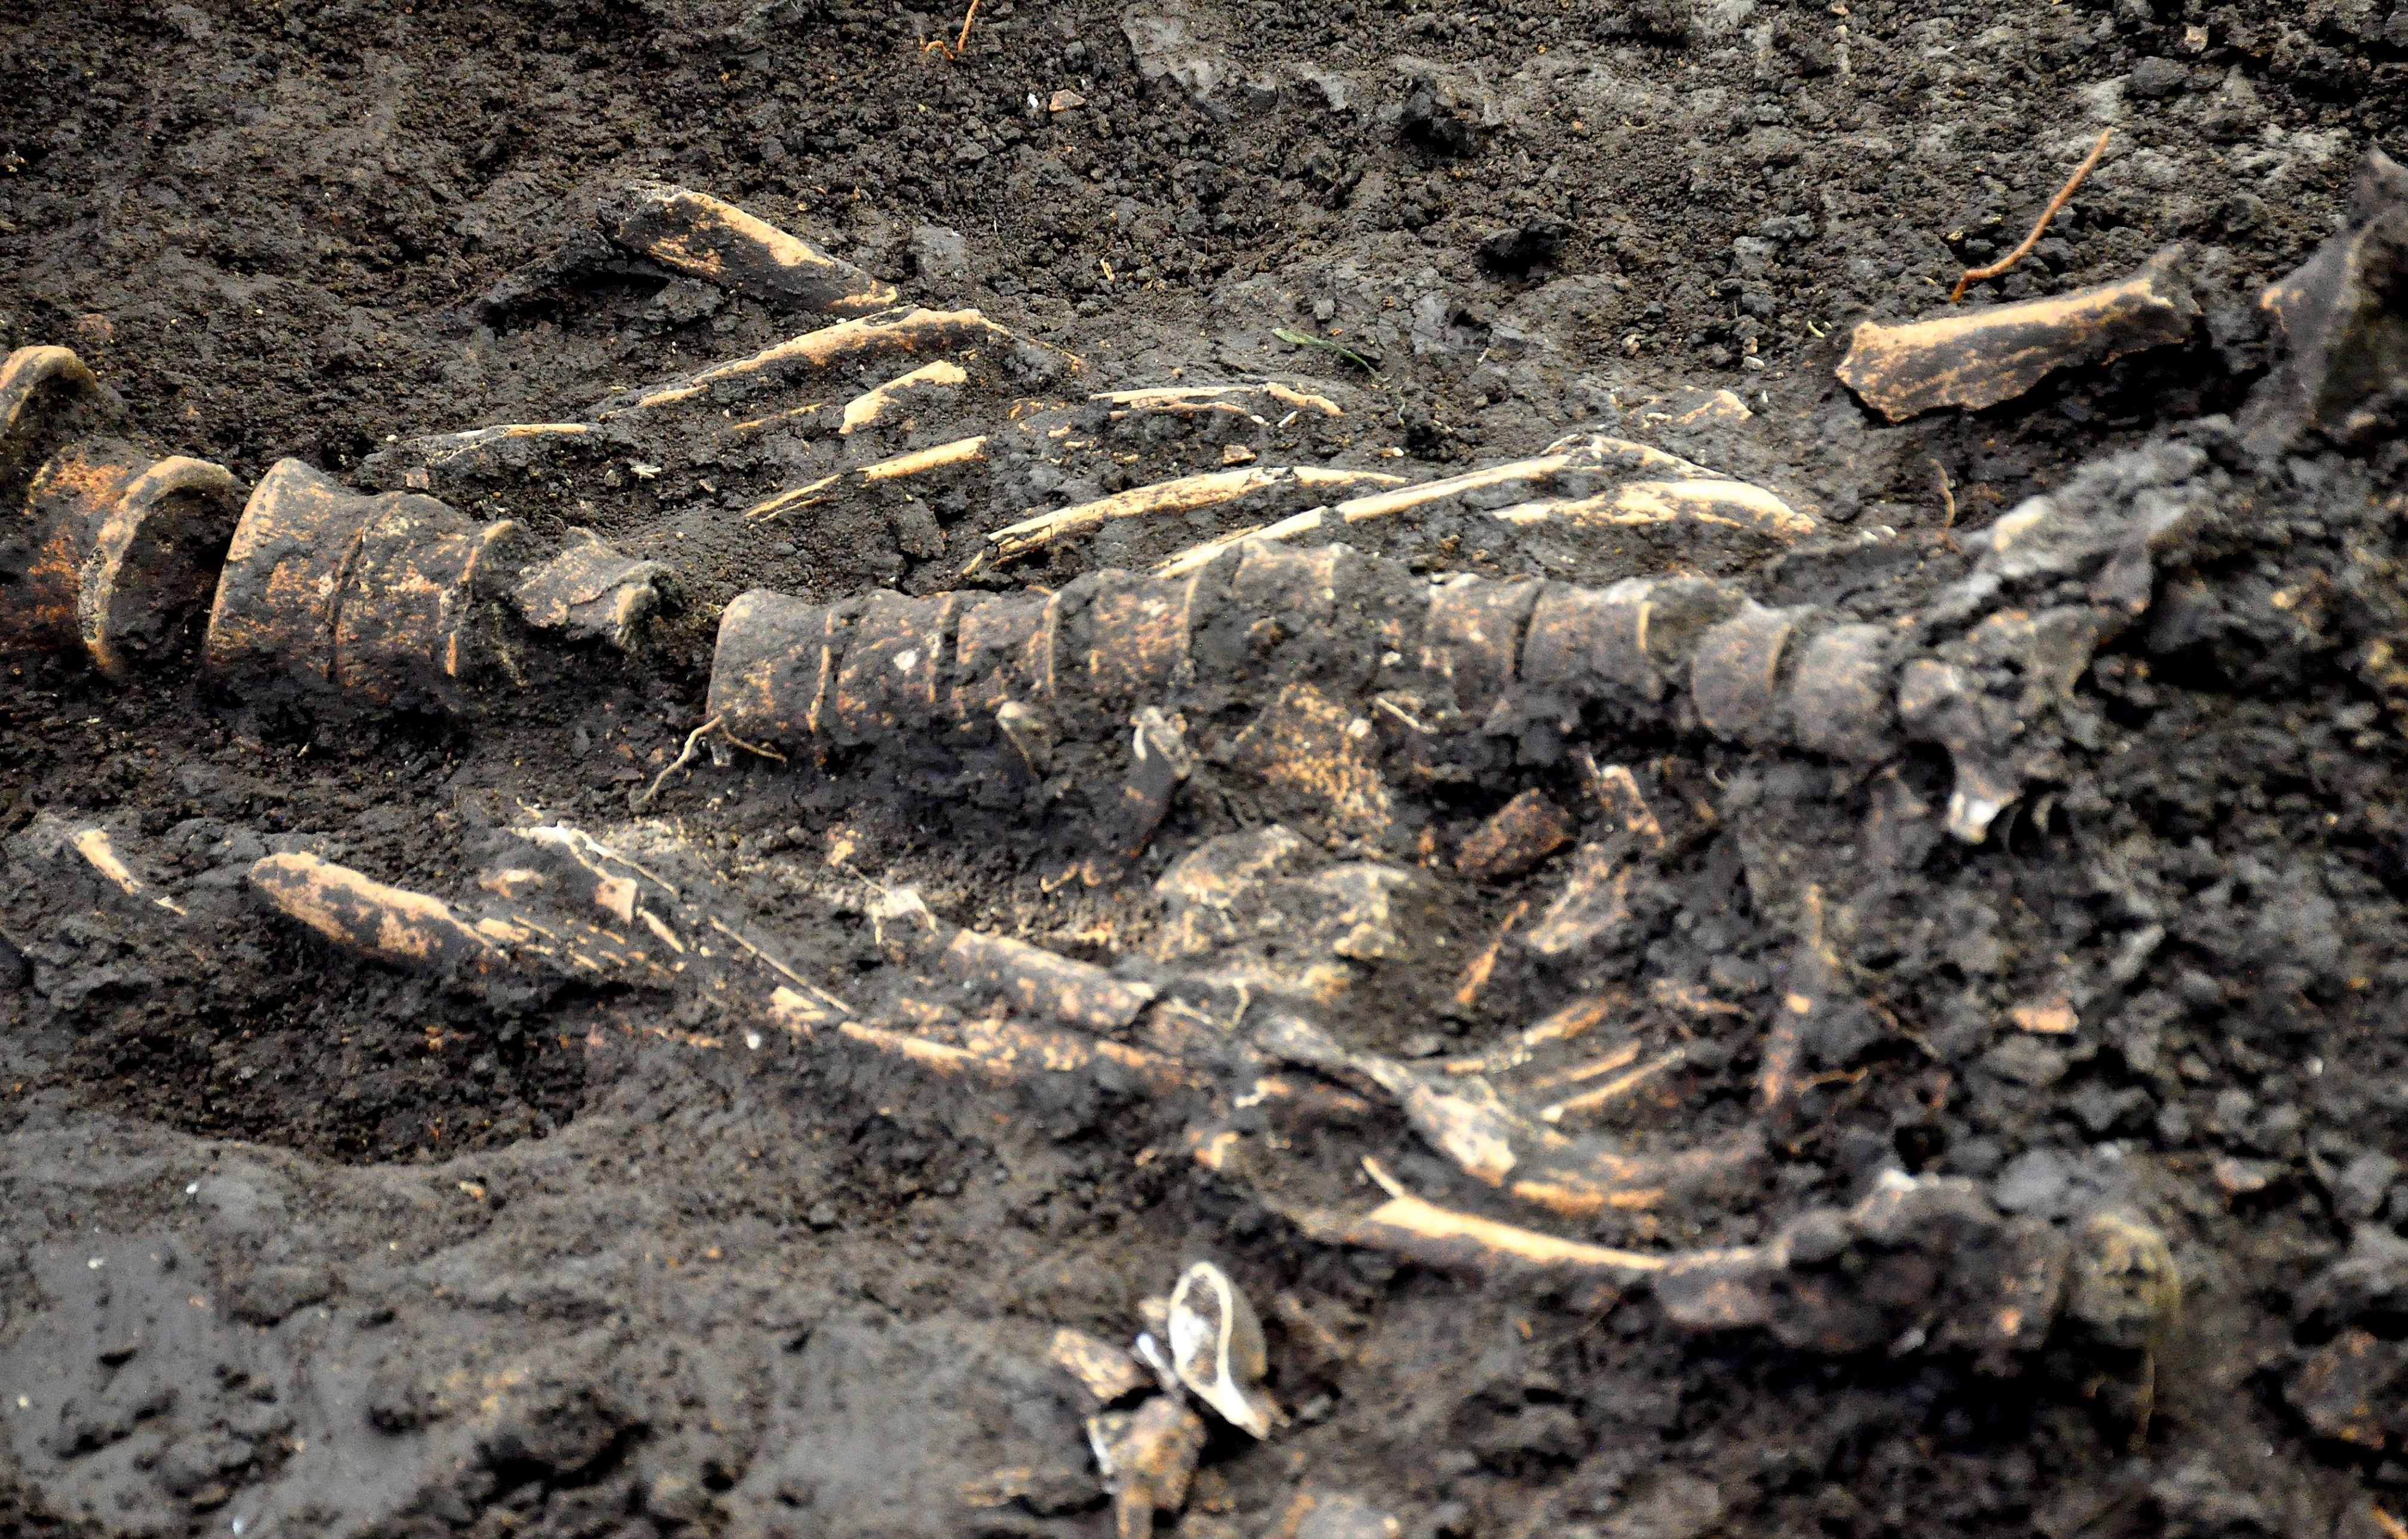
(2043, 1178)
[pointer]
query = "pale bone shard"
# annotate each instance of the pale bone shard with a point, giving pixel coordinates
(1147, 1456)
(1199, 400)
(1039, 982)
(700, 237)
(1413, 1227)
(1104, 1371)
(1186, 495)
(873, 407)
(416, 931)
(592, 592)
(1653, 488)
(1593, 904)
(916, 462)
(1637, 504)
(1216, 1347)
(1978, 356)
(910, 330)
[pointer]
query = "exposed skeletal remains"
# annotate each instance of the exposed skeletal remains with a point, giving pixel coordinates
(1348, 685)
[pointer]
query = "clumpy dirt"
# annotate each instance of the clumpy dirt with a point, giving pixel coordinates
(301, 1243)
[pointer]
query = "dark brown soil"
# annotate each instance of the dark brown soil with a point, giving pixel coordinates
(300, 1244)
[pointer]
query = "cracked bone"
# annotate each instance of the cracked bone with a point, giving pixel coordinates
(1974, 356)
(1148, 1458)
(700, 237)
(1216, 1348)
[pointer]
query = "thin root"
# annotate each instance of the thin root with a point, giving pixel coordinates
(960, 45)
(1948, 497)
(686, 756)
(1998, 269)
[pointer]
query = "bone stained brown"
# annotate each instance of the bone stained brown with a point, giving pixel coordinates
(1975, 358)
(782, 664)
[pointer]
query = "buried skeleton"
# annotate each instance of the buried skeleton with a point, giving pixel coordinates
(1522, 764)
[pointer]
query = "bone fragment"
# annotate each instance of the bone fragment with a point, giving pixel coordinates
(1186, 495)
(917, 461)
(1519, 835)
(1216, 1347)
(1148, 1456)
(1041, 983)
(1104, 1371)
(1197, 400)
(697, 234)
(591, 593)
(1977, 356)
(906, 330)
(1593, 904)
(389, 923)
(875, 406)
(1413, 1227)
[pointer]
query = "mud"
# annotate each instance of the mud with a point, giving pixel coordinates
(303, 1243)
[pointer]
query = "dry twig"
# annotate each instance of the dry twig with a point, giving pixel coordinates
(1982, 275)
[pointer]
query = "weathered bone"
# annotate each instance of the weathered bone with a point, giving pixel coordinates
(1186, 495)
(114, 551)
(698, 236)
(591, 593)
(1977, 356)
(389, 923)
(1104, 1371)
(875, 406)
(1216, 1347)
(1147, 1456)
(394, 598)
(902, 330)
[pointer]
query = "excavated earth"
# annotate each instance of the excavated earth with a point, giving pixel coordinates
(297, 1243)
